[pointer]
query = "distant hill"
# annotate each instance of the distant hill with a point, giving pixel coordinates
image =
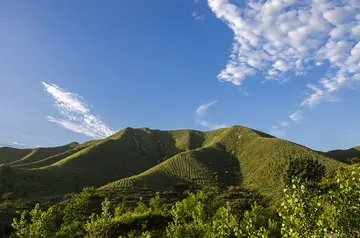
(160, 160)
(8, 155)
(348, 156)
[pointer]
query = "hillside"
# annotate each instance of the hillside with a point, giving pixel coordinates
(19, 157)
(158, 160)
(8, 155)
(347, 156)
(258, 162)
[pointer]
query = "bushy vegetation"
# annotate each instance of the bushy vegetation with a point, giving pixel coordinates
(332, 208)
(309, 171)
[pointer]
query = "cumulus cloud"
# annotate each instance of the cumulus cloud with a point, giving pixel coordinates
(281, 37)
(200, 114)
(296, 116)
(75, 113)
(197, 16)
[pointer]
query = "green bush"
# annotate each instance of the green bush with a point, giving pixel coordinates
(41, 224)
(309, 171)
(76, 213)
(99, 226)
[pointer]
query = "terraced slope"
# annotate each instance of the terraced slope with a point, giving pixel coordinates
(204, 166)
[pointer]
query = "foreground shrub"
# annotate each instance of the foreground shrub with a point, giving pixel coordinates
(309, 171)
(99, 226)
(333, 210)
(41, 224)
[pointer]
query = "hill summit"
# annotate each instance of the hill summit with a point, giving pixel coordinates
(155, 159)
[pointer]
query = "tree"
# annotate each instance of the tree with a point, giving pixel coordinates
(99, 226)
(76, 213)
(309, 171)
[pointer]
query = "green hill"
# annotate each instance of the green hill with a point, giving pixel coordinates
(347, 156)
(40, 153)
(261, 161)
(8, 155)
(159, 160)
(55, 158)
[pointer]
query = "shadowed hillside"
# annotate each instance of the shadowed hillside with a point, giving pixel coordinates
(8, 155)
(348, 156)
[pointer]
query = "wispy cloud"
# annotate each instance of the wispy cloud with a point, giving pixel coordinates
(75, 113)
(296, 116)
(198, 16)
(281, 124)
(284, 124)
(200, 114)
(19, 144)
(282, 37)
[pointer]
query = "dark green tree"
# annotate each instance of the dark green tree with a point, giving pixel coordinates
(308, 170)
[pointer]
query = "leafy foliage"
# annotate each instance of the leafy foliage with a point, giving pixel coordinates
(98, 226)
(308, 170)
(41, 224)
(330, 209)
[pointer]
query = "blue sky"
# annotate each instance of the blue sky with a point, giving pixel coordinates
(78, 70)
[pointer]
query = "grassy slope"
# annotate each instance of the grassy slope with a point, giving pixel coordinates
(55, 158)
(204, 166)
(124, 154)
(8, 155)
(261, 159)
(42, 153)
(140, 157)
(344, 155)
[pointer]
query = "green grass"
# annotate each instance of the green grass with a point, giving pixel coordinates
(160, 160)
(203, 167)
(42, 153)
(261, 161)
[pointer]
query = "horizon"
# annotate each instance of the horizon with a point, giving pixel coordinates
(77, 71)
(19, 146)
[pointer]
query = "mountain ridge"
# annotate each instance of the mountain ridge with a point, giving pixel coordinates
(149, 158)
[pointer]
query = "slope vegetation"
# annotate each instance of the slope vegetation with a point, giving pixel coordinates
(41, 153)
(347, 156)
(161, 160)
(8, 155)
(261, 161)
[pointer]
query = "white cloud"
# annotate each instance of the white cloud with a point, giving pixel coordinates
(76, 114)
(282, 37)
(197, 16)
(19, 144)
(284, 123)
(296, 116)
(200, 114)
(281, 124)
